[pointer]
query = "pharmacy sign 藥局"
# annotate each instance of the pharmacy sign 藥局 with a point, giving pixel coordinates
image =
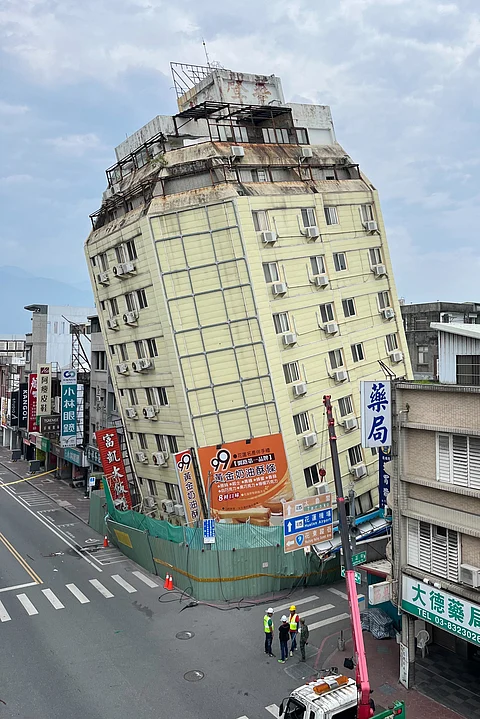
(447, 611)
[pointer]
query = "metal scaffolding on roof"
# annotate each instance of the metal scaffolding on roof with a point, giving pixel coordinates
(185, 77)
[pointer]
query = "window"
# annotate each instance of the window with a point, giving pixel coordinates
(468, 369)
(422, 357)
(392, 342)
(126, 252)
(156, 396)
(99, 360)
(336, 358)
(374, 451)
(132, 394)
(317, 264)
(301, 422)
(421, 323)
(327, 312)
(152, 487)
(357, 352)
(131, 302)
(260, 175)
(113, 306)
(366, 213)
(433, 549)
(270, 271)
(383, 299)
(152, 347)
(349, 307)
(375, 256)
(309, 218)
(311, 475)
(166, 443)
(123, 352)
(345, 405)
(339, 261)
(458, 460)
(280, 320)
(173, 492)
(140, 348)
(260, 220)
(142, 299)
(142, 440)
(103, 261)
(291, 372)
(363, 503)
(331, 215)
(355, 455)
(55, 331)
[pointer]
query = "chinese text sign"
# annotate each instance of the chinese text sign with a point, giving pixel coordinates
(307, 521)
(384, 457)
(68, 422)
(376, 402)
(44, 389)
(188, 483)
(32, 403)
(114, 467)
(3, 411)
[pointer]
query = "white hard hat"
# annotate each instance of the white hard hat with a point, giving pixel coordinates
(284, 618)
(270, 611)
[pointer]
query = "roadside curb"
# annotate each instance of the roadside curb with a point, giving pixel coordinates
(42, 491)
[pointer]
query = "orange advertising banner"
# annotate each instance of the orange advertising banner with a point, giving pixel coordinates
(247, 479)
(188, 483)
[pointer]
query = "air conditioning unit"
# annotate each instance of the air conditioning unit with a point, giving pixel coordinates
(306, 152)
(340, 375)
(118, 270)
(331, 328)
(321, 488)
(350, 423)
(142, 364)
(370, 226)
(290, 338)
(396, 356)
(268, 237)
(470, 575)
(279, 288)
(150, 502)
(237, 151)
(388, 313)
(312, 232)
(149, 412)
(102, 278)
(310, 440)
(130, 318)
(141, 457)
(379, 270)
(131, 412)
(112, 323)
(359, 471)
(320, 280)
(167, 506)
(122, 368)
(299, 389)
(128, 268)
(179, 510)
(159, 459)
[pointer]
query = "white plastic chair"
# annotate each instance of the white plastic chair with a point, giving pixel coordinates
(423, 637)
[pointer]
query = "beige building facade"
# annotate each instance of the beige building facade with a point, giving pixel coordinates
(241, 272)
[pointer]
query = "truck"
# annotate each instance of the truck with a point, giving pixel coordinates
(336, 696)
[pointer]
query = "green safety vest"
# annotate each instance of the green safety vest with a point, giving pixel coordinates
(293, 623)
(266, 619)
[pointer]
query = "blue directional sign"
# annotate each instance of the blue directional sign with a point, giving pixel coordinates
(307, 521)
(209, 531)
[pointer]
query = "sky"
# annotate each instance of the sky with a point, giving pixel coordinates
(401, 77)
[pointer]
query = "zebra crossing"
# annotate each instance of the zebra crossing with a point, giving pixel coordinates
(311, 611)
(14, 605)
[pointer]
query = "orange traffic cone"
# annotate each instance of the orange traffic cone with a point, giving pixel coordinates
(105, 541)
(165, 584)
(170, 582)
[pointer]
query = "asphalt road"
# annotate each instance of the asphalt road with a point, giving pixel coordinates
(84, 636)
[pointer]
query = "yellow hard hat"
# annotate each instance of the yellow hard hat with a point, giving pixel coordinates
(292, 608)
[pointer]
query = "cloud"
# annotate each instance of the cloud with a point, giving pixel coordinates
(75, 145)
(8, 109)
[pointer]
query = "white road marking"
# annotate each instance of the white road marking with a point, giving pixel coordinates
(309, 612)
(99, 586)
(146, 580)
(4, 615)
(273, 709)
(120, 580)
(27, 604)
(18, 586)
(77, 593)
(331, 620)
(299, 601)
(54, 600)
(338, 593)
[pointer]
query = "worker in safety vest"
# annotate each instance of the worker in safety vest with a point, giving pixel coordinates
(293, 622)
(268, 629)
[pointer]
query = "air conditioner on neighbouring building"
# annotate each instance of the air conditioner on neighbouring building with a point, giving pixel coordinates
(290, 338)
(131, 412)
(310, 440)
(102, 278)
(122, 368)
(396, 356)
(321, 488)
(128, 268)
(370, 226)
(179, 510)
(340, 375)
(388, 313)
(313, 233)
(159, 459)
(350, 423)
(470, 575)
(150, 412)
(141, 457)
(112, 323)
(358, 471)
(299, 389)
(279, 288)
(167, 506)
(237, 151)
(118, 270)
(331, 328)
(130, 318)
(379, 270)
(268, 237)
(306, 152)
(321, 280)
(142, 364)
(150, 502)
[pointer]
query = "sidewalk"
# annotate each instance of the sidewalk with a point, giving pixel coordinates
(58, 490)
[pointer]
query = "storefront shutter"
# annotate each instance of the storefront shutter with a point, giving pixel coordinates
(474, 462)
(444, 458)
(460, 460)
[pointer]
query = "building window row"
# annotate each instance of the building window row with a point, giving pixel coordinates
(318, 266)
(458, 460)
(166, 443)
(433, 549)
(308, 214)
(143, 348)
(99, 360)
(156, 396)
(124, 252)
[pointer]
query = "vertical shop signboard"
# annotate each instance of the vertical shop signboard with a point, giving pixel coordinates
(114, 467)
(68, 422)
(23, 411)
(32, 425)
(44, 392)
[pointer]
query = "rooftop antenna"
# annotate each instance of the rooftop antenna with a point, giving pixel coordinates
(206, 53)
